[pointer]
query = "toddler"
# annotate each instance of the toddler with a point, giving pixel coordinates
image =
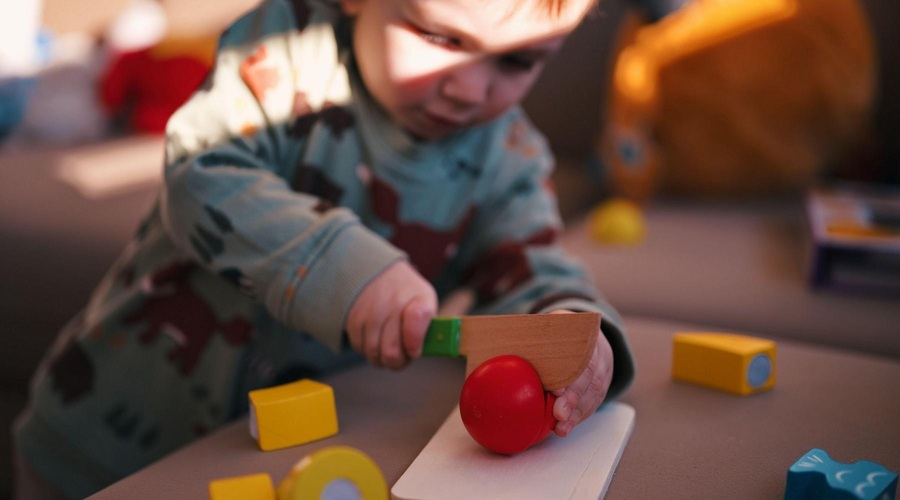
(341, 170)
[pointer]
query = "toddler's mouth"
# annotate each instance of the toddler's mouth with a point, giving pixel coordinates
(442, 121)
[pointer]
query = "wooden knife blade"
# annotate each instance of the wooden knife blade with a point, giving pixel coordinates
(559, 346)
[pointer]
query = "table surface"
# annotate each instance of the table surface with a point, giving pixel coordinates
(688, 441)
(741, 264)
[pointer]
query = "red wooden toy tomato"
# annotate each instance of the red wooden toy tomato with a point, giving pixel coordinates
(504, 406)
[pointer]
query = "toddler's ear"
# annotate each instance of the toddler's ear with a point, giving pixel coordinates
(351, 7)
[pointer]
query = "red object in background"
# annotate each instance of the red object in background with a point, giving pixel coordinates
(504, 406)
(148, 87)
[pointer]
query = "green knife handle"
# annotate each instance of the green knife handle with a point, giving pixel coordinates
(442, 337)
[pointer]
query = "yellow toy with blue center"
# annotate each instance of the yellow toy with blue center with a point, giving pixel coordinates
(738, 364)
(334, 472)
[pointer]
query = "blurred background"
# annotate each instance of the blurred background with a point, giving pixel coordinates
(691, 137)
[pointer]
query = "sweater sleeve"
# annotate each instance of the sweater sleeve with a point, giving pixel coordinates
(514, 261)
(227, 202)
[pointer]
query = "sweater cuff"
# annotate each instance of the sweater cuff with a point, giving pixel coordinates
(325, 290)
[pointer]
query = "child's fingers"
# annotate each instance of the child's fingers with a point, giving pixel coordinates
(392, 354)
(356, 333)
(457, 303)
(417, 315)
(566, 408)
(372, 331)
(582, 398)
(566, 400)
(562, 407)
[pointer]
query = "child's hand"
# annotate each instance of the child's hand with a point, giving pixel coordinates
(581, 399)
(388, 320)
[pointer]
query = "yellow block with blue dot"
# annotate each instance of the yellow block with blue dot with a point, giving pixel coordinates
(292, 414)
(738, 364)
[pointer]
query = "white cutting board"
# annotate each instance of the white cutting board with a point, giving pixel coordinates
(580, 466)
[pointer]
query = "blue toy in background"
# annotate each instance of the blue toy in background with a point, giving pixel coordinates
(14, 95)
(23, 51)
(817, 476)
(17, 90)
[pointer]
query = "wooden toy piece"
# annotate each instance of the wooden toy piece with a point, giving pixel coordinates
(737, 364)
(617, 221)
(817, 476)
(557, 345)
(250, 487)
(334, 472)
(452, 466)
(504, 407)
(292, 414)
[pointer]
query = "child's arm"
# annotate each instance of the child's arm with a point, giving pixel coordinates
(513, 261)
(231, 201)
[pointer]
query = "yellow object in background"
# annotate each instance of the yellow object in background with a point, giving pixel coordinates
(334, 472)
(250, 487)
(292, 414)
(727, 98)
(617, 221)
(737, 364)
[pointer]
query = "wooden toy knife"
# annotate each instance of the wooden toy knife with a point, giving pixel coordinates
(559, 346)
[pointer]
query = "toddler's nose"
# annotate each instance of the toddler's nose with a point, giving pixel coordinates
(468, 84)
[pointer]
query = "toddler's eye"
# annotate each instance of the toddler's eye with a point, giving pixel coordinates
(515, 63)
(434, 38)
(440, 40)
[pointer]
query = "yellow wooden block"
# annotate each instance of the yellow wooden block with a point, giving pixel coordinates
(734, 363)
(292, 414)
(250, 487)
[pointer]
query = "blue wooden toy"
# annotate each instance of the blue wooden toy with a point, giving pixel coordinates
(817, 476)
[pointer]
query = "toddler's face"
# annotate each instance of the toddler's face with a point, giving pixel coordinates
(438, 66)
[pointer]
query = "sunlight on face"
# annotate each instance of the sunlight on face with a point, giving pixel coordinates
(439, 66)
